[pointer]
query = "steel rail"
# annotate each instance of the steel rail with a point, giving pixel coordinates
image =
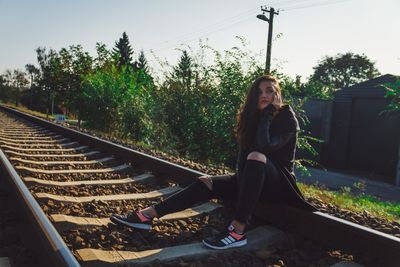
(50, 242)
(379, 248)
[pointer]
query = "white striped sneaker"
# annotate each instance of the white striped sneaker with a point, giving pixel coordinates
(226, 239)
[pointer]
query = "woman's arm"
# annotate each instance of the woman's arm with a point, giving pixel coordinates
(266, 143)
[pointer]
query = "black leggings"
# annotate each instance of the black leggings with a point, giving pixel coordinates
(259, 181)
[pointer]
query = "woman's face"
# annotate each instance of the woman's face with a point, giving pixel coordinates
(266, 94)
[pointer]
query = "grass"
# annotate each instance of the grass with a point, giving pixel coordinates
(32, 112)
(344, 198)
(354, 202)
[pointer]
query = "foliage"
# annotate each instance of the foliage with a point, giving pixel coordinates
(142, 62)
(33, 73)
(49, 78)
(309, 89)
(179, 100)
(74, 64)
(12, 83)
(343, 70)
(104, 93)
(123, 51)
(192, 110)
(112, 100)
(200, 103)
(104, 59)
(233, 71)
(393, 92)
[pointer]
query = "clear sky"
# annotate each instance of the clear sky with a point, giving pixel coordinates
(310, 29)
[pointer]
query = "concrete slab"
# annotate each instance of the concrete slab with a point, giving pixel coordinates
(38, 144)
(139, 178)
(19, 137)
(65, 222)
(22, 130)
(19, 132)
(47, 141)
(46, 149)
(91, 153)
(114, 169)
(259, 238)
(149, 195)
(47, 163)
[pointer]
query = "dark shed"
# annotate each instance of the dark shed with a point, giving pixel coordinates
(363, 136)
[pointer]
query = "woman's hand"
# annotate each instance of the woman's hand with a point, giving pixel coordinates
(274, 105)
(268, 110)
(206, 180)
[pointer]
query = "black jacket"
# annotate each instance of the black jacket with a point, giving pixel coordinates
(276, 137)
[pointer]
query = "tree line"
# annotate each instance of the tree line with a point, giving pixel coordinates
(190, 109)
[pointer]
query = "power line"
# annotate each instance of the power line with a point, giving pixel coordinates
(279, 3)
(206, 28)
(204, 34)
(315, 5)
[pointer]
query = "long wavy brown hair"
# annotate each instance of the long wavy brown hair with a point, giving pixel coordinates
(248, 114)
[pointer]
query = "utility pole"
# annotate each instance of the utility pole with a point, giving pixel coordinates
(270, 21)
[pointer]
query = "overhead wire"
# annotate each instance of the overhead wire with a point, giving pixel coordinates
(329, 2)
(279, 3)
(233, 20)
(206, 28)
(208, 33)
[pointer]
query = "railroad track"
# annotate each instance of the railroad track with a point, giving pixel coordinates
(70, 183)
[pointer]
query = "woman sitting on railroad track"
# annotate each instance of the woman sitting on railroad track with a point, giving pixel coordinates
(267, 134)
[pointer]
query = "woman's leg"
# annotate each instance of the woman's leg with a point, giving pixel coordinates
(222, 186)
(275, 188)
(200, 190)
(250, 187)
(251, 182)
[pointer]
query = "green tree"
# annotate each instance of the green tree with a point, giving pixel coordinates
(20, 83)
(103, 60)
(142, 62)
(14, 82)
(144, 76)
(175, 99)
(75, 63)
(49, 82)
(33, 75)
(2, 82)
(123, 51)
(184, 70)
(113, 101)
(343, 70)
(6, 92)
(3, 89)
(311, 88)
(232, 72)
(393, 92)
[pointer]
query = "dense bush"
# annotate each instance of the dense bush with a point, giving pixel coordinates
(200, 102)
(393, 92)
(191, 110)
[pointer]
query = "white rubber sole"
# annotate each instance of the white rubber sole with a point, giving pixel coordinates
(132, 225)
(233, 245)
